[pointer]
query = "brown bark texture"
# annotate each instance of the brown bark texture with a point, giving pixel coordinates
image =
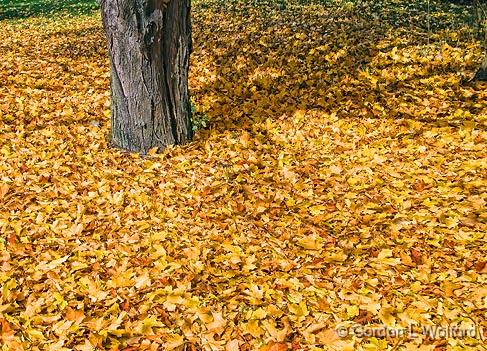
(482, 72)
(149, 43)
(481, 15)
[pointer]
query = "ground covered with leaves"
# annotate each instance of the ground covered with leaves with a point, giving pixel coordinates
(340, 182)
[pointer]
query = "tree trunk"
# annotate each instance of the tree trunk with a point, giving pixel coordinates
(481, 17)
(149, 43)
(482, 72)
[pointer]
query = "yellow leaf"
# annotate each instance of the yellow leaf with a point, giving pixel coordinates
(35, 334)
(172, 341)
(385, 315)
(153, 151)
(245, 139)
(260, 313)
(253, 328)
(299, 309)
(310, 242)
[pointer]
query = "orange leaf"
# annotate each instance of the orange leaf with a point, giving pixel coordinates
(479, 266)
(12, 239)
(244, 139)
(275, 347)
(3, 190)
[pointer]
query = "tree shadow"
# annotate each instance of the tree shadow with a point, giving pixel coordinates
(66, 44)
(278, 57)
(272, 65)
(281, 58)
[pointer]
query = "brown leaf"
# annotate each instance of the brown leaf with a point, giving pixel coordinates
(480, 266)
(416, 256)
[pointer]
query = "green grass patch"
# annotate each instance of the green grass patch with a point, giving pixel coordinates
(13, 9)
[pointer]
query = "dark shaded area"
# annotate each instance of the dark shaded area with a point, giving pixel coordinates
(67, 45)
(465, 2)
(16, 9)
(321, 85)
(481, 75)
(239, 61)
(311, 81)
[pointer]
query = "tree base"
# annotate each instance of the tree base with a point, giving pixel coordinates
(481, 75)
(149, 43)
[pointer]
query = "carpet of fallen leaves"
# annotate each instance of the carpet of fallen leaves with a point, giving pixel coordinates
(341, 182)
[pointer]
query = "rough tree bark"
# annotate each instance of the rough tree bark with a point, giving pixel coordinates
(482, 72)
(481, 15)
(149, 43)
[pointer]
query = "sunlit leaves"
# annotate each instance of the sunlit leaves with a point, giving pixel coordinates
(341, 180)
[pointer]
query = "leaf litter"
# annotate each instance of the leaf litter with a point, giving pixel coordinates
(341, 181)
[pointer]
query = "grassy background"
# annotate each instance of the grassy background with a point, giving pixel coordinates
(11, 9)
(14, 9)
